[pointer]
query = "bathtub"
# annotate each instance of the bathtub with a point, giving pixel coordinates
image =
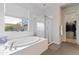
(23, 41)
(28, 46)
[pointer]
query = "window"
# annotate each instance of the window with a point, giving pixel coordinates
(16, 24)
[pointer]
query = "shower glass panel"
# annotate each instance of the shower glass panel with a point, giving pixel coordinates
(40, 29)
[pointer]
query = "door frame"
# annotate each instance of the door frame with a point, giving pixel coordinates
(65, 39)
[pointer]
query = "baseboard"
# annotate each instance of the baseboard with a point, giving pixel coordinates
(54, 46)
(58, 43)
(50, 43)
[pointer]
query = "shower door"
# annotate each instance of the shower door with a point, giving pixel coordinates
(40, 29)
(48, 30)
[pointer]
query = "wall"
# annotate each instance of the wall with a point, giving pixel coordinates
(12, 9)
(1, 19)
(56, 25)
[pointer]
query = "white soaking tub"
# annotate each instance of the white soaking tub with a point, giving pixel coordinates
(23, 41)
(27, 46)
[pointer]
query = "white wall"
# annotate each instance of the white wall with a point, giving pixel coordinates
(56, 25)
(1, 19)
(12, 9)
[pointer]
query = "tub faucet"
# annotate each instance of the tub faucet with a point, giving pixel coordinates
(11, 46)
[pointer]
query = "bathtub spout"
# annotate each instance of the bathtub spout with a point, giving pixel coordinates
(11, 46)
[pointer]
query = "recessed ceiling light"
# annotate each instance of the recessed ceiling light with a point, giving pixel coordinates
(44, 4)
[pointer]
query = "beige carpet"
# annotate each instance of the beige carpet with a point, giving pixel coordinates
(64, 49)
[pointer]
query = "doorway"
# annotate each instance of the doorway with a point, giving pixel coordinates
(70, 27)
(71, 32)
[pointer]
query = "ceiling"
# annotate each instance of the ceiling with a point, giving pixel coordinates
(40, 9)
